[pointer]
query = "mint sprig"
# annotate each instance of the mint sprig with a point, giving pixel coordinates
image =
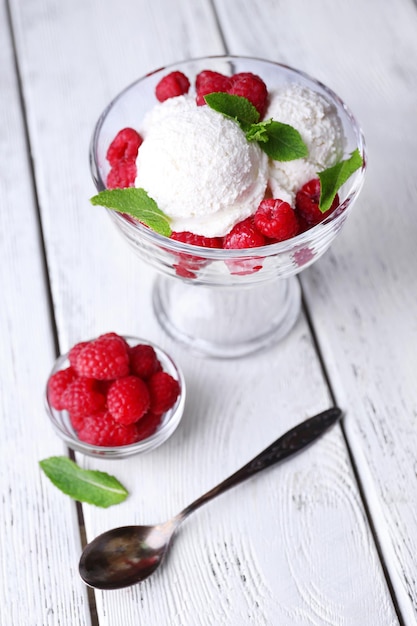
(91, 486)
(236, 107)
(135, 202)
(280, 142)
(334, 177)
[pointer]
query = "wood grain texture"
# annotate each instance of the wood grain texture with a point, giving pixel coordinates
(293, 546)
(39, 530)
(362, 295)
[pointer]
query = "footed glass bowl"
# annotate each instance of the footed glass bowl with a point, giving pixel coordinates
(218, 302)
(61, 422)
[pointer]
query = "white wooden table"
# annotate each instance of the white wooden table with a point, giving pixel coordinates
(329, 538)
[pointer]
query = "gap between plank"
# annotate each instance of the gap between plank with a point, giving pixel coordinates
(45, 271)
(352, 461)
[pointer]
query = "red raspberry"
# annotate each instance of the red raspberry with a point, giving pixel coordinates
(103, 358)
(188, 264)
(113, 336)
(197, 240)
(77, 421)
(205, 76)
(102, 430)
(276, 219)
(208, 81)
(103, 386)
(303, 256)
(128, 400)
(81, 398)
(302, 224)
(57, 384)
(253, 88)
(147, 425)
(244, 235)
(163, 390)
(307, 203)
(143, 361)
(74, 352)
(122, 175)
(174, 84)
(124, 146)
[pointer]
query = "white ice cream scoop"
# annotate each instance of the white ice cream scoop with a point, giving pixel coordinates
(199, 167)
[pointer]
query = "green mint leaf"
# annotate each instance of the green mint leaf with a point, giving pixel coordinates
(334, 177)
(280, 141)
(93, 487)
(284, 142)
(136, 202)
(258, 132)
(235, 107)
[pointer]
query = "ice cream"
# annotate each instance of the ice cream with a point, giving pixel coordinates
(217, 173)
(199, 168)
(319, 125)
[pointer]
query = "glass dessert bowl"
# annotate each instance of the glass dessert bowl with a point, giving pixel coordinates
(108, 439)
(227, 302)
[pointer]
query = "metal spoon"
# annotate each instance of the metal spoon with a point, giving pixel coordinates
(127, 555)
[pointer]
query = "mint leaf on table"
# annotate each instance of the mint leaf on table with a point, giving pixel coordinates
(334, 177)
(91, 486)
(135, 202)
(279, 141)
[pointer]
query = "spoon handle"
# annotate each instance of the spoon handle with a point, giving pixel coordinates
(287, 445)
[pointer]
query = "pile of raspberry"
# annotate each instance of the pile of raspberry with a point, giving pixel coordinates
(115, 394)
(274, 220)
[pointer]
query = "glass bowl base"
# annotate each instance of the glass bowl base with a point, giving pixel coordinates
(226, 322)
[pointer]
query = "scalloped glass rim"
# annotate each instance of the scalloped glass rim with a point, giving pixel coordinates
(171, 419)
(348, 192)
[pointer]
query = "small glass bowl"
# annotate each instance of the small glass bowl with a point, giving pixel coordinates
(62, 425)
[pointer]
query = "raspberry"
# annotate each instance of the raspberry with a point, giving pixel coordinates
(124, 146)
(185, 270)
(121, 155)
(164, 391)
(307, 203)
(143, 360)
(197, 240)
(122, 175)
(128, 400)
(103, 386)
(302, 224)
(244, 235)
(253, 88)
(303, 256)
(74, 352)
(188, 264)
(104, 358)
(174, 84)
(57, 384)
(115, 336)
(77, 421)
(102, 430)
(81, 398)
(208, 81)
(276, 219)
(147, 425)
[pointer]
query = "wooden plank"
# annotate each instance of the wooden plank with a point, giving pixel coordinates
(39, 530)
(362, 295)
(315, 561)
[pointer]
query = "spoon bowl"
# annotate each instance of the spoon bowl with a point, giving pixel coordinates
(125, 556)
(128, 555)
